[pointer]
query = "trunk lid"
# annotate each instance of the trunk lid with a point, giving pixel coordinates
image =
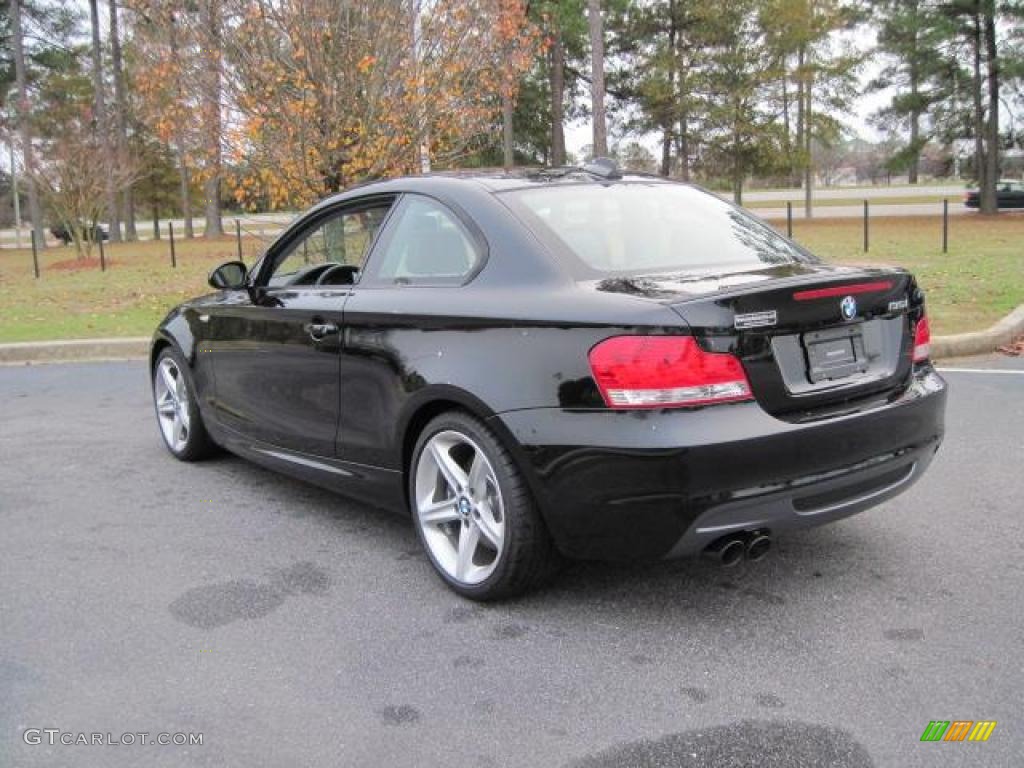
(811, 337)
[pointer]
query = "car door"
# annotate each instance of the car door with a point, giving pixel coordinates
(276, 350)
(411, 292)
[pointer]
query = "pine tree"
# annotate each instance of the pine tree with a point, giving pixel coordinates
(909, 34)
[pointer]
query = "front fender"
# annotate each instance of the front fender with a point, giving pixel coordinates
(175, 329)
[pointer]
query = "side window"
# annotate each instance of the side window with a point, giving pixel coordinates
(427, 245)
(342, 238)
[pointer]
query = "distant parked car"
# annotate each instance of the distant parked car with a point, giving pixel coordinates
(1009, 194)
(63, 233)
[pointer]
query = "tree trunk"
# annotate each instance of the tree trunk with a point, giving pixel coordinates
(800, 118)
(156, 221)
(681, 98)
(737, 166)
(35, 212)
(808, 159)
(185, 182)
(121, 120)
(597, 78)
(210, 20)
(989, 202)
(915, 109)
(668, 119)
(683, 139)
(102, 124)
(915, 159)
(787, 141)
(557, 100)
(186, 195)
(507, 150)
(980, 162)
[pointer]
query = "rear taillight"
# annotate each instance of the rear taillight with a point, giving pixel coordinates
(922, 340)
(665, 371)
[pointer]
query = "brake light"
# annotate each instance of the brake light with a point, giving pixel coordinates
(922, 340)
(843, 290)
(665, 371)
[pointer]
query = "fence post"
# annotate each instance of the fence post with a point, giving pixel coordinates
(35, 254)
(170, 236)
(103, 255)
(865, 226)
(945, 225)
(238, 238)
(789, 219)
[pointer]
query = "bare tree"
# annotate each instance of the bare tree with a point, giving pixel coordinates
(25, 127)
(127, 207)
(73, 180)
(597, 78)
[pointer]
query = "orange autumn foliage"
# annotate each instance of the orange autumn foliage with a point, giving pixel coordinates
(326, 93)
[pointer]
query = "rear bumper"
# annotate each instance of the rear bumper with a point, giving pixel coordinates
(652, 484)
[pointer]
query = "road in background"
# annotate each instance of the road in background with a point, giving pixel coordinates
(955, 192)
(269, 224)
(875, 211)
(294, 627)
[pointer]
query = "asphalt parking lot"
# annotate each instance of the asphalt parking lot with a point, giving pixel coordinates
(292, 627)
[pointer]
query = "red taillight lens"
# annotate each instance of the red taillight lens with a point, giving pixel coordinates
(922, 340)
(665, 371)
(843, 290)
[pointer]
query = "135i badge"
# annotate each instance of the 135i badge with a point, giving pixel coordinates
(896, 306)
(755, 319)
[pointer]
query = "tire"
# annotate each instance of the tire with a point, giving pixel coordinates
(177, 409)
(483, 501)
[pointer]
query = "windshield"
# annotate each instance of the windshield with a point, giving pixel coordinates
(649, 227)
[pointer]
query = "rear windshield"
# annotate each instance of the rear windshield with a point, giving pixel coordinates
(647, 228)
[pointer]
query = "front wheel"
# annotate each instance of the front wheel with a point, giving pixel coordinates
(177, 409)
(474, 513)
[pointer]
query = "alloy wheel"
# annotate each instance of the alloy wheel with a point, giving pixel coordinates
(171, 396)
(459, 507)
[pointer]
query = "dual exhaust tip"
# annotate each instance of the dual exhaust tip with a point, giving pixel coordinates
(729, 550)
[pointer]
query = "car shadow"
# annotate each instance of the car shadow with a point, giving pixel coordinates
(841, 558)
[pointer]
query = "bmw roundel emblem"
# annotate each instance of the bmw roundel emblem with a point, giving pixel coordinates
(848, 306)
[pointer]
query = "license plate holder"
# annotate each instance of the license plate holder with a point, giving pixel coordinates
(835, 353)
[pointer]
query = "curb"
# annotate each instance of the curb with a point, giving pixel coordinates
(979, 342)
(137, 348)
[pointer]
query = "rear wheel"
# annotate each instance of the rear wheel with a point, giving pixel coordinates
(474, 512)
(177, 409)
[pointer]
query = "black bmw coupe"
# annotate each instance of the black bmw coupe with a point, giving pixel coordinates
(572, 363)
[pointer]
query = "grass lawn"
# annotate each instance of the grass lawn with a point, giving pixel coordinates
(979, 281)
(976, 283)
(70, 301)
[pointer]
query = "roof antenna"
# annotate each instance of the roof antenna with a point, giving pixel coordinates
(604, 167)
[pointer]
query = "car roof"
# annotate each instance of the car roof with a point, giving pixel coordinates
(483, 179)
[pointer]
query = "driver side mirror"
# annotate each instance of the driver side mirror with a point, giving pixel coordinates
(229, 276)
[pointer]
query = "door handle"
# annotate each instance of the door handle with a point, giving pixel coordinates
(317, 331)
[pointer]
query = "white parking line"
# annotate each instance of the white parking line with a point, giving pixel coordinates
(979, 370)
